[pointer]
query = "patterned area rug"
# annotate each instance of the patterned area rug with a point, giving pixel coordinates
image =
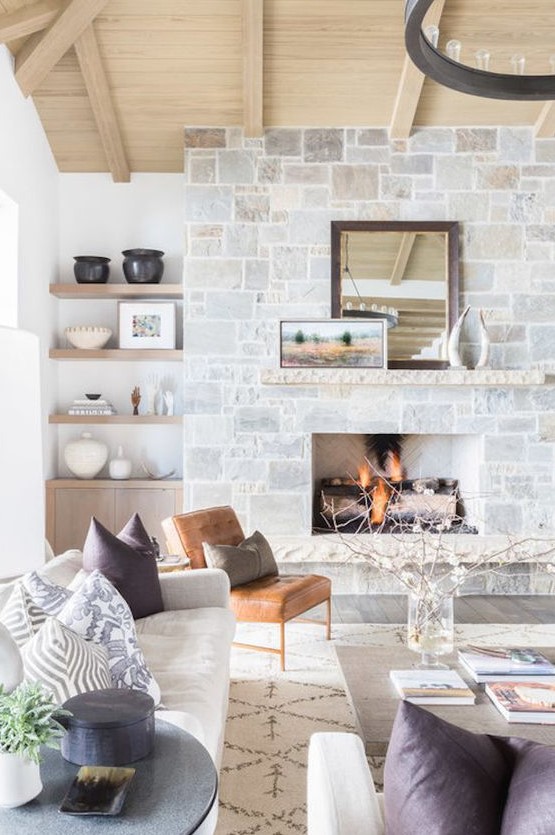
(273, 714)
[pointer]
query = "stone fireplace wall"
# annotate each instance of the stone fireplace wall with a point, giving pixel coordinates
(257, 237)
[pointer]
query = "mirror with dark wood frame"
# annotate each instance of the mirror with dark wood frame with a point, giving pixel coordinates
(406, 272)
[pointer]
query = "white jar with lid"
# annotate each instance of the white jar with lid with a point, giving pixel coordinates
(85, 457)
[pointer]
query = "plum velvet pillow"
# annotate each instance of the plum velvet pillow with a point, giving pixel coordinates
(442, 779)
(530, 805)
(131, 569)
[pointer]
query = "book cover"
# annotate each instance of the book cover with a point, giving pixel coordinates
(489, 664)
(432, 687)
(524, 701)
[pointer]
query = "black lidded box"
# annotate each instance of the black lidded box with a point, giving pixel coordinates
(108, 727)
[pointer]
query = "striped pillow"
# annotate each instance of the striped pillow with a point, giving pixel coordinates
(21, 616)
(64, 662)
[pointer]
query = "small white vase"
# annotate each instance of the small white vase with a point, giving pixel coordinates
(85, 457)
(11, 664)
(120, 467)
(19, 780)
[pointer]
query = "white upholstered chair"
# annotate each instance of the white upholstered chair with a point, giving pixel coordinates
(341, 797)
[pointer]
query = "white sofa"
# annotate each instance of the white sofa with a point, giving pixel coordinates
(187, 649)
(341, 797)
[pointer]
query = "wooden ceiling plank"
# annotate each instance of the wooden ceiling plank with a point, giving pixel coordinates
(545, 124)
(402, 259)
(33, 64)
(410, 86)
(27, 20)
(253, 65)
(90, 61)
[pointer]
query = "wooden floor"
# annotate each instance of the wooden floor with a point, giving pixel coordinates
(392, 608)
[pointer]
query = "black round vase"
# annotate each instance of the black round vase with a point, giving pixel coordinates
(91, 269)
(143, 266)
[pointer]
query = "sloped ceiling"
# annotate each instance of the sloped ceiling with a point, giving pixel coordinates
(116, 81)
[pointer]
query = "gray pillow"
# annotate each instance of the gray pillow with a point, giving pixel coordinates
(250, 560)
(442, 779)
(530, 805)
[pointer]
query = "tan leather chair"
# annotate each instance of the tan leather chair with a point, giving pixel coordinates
(271, 599)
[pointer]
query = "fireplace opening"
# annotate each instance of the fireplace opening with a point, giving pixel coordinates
(391, 483)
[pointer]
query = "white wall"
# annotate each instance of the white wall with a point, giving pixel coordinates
(100, 217)
(29, 183)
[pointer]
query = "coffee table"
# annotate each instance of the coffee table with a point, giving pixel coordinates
(172, 792)
(375, 700)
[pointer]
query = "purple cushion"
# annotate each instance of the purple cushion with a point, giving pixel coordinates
(530, 805)
(442, 780)
(134, 534)
(133, 571)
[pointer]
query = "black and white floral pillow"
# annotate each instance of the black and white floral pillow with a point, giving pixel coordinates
(46, 594)
(97, 612)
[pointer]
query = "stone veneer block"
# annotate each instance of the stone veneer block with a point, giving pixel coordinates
(474, 140)
(283, 142)
(236, 167)
(323, 145)
(205, 138)
(354, 182)
(208, 204)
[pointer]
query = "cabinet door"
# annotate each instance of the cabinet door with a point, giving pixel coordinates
(151, 505)
(72, 513)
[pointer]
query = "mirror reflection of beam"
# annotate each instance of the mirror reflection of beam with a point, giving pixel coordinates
(402, 259)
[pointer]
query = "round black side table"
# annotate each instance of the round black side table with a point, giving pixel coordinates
(172, 792)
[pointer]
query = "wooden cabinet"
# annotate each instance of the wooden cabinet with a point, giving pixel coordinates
(70, 503)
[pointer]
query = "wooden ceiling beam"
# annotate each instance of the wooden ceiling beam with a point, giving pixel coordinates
(94, 76)
(27, 20)
(34, 62)
(253, 67)
(410, 86)
(545, 124)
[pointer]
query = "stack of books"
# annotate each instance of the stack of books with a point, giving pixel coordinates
(520, 681)
(91, 407)
(491, 664)
(432, 687)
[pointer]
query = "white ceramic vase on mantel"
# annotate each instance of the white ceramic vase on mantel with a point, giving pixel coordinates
(19, 780)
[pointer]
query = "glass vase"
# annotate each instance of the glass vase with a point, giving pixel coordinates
(430, 629)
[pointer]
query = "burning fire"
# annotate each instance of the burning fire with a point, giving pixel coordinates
(364, 475)
(395, 467)
(380, 498)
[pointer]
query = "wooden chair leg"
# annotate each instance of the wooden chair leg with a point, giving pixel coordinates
(282, 645)
(328, 619)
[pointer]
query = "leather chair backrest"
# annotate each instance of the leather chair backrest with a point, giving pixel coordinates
(216, 525)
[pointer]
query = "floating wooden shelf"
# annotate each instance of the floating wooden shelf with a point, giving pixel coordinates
(117, 291)
(117, 484)
(117, 354)
(121, 419)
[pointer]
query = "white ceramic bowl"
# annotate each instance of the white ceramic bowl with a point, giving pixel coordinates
(88, 336)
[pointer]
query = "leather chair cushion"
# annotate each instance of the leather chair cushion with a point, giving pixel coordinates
(277, 598)
(250, 560)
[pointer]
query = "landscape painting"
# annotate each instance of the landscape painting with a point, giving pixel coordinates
(333, 343)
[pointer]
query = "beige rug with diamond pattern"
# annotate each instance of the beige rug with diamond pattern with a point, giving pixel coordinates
(273, 714)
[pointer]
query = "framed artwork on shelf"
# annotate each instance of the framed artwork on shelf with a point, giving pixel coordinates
(146, 325)
(333, 343)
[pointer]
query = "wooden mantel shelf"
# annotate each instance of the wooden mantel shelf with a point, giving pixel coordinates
(117, 354)
(116, 291)
(401, 377)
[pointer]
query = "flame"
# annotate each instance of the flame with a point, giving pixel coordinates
(380, 498)
(395, 467)
(364, 475)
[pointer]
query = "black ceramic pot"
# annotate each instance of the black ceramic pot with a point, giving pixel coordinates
(143, 266)
(91, 269)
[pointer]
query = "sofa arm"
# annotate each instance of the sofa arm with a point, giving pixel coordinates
(195, 589)
(341, 798)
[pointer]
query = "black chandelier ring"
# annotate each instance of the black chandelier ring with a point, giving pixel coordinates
(463, 78)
